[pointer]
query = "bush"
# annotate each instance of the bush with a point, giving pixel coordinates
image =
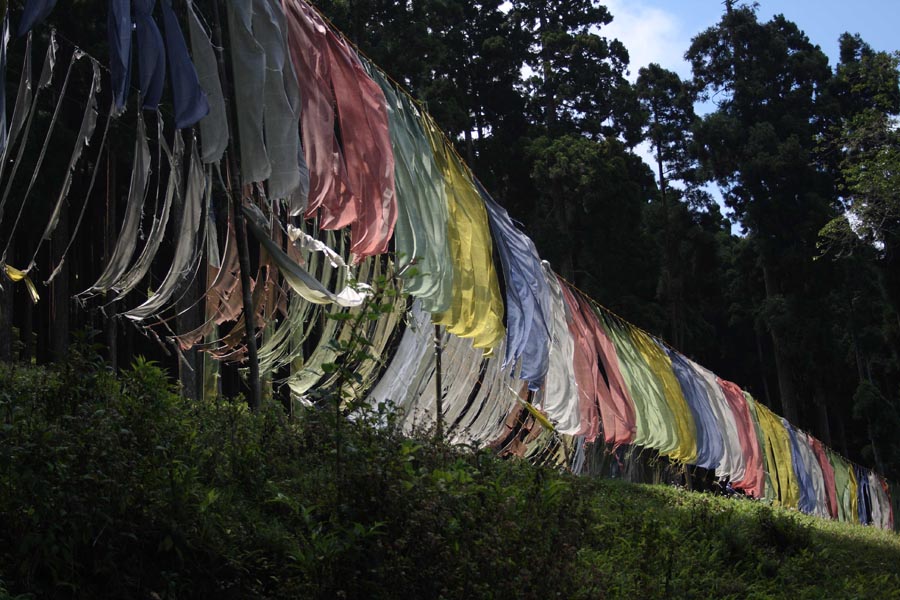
(119, 488)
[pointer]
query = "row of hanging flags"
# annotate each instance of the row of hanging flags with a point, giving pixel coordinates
(328, 143)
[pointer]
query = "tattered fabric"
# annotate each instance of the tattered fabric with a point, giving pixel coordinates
(558, 397)
(845, 495)
(732, 462)
(118, 29)
(807, 501)
(753, 478)
(85, 133)
(281, 105)
(683, 421)
(128, 234)
(304, 284)
(352, 182)
(131, 278)
(828, 474)
(214, 126)
(864, 502)
(188, 97)
(527, 296)
(476, 310)
(591, 385)
(768, 487)
(815, 474)
(709, 437)
(188, 249)
(34, 14)
(420, 234)
(151, 54)
(654, 422)
(249, 66)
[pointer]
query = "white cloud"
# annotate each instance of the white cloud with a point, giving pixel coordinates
(651, 35)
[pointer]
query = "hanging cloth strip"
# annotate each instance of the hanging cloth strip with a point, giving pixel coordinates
(366, 144)
(214, 126)
(87, 197)
(128, 235)
(527, 296)
(16, 276)
(77, 55)
(249, 65)
(36, 11)
(887, 522)
(654, 422)
(558, 397)
(118, 30)
(130, 279)
(420, 234)
(881, 504)
(828, 475)
(732, 461)
(281, 109)
(709, 437)
(191, 240)
(846, 499)
(591, 385)
(476, 310)
(815, 473)
(188, 97)
(85, 133)
(352, 182)
(23, 104)
(779, 440)
(661, 368)
(807, 502)
(43, 82)
(894, 493)
(621, 405)
(396, 386)
(329, 187)
(752, 479)
(304, 284)
(151, 54)
(864, 502)
(768, 487)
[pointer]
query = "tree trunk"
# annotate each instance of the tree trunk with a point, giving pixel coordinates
(767, 394)
(823, 428)
(786, 390)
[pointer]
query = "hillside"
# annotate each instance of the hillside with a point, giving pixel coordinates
(117, 487)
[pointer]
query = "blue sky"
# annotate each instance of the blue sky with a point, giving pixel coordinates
(660, 30)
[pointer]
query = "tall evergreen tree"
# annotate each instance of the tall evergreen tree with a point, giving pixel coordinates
(767, 79)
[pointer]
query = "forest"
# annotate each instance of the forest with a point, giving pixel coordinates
(796, 294)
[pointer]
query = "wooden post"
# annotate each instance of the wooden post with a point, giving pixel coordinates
(438, 387)
(234, 195)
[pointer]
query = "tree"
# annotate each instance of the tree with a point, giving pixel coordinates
(577, 80)
(769, 82)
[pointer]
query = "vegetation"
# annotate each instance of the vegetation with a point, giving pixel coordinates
(119, 487)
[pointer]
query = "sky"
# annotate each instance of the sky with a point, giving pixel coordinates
(661, 30)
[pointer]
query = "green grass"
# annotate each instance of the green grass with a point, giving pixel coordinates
(117, 488)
